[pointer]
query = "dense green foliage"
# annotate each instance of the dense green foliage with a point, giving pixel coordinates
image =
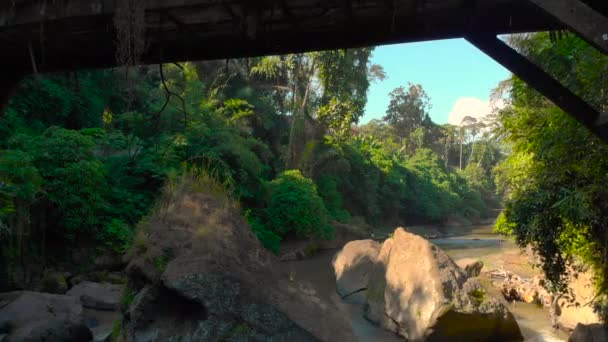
(556, 180)
(295, 207)
(84, 155)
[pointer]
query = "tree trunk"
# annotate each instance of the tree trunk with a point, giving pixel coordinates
(472, 152)
(446, 152)
(299, 113)
(461, 140)
(483, 154)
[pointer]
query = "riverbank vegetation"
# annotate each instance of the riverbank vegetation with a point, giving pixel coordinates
(83, 155)
(555, 179)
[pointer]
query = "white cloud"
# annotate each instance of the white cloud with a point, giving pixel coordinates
(473, 107)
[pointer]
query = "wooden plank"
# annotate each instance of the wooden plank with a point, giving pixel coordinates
(579, 17)
(542, 82)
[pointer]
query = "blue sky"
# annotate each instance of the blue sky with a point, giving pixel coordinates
(451, 71)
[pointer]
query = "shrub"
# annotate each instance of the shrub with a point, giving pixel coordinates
(117, 236)
(268, 238)
(296, 207)
(332, 198)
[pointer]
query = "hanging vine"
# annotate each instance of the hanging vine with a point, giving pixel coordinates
(130, 26)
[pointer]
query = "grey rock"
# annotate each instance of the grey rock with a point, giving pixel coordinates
(474, 269)
(32, 316)
(102, 334)
(418, 292)
(352, 266)
(218, 293)
(99, 296)
(202, 275)
(188, 312)
(589, 333)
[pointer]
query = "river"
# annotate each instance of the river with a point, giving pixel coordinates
(474, 243)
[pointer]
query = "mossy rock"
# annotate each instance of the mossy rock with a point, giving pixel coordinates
(478, 296)
(54, 282)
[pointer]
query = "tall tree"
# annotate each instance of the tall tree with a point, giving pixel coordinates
(408, 109)
(555, 180)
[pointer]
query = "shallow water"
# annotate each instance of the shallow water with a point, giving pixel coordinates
(464, 242)
(478, 242)
(318, 272)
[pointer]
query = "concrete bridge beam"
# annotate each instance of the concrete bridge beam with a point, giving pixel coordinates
(544, 83)
(588, 23)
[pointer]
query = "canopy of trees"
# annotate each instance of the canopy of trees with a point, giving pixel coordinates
(555, 180)
(83, 155)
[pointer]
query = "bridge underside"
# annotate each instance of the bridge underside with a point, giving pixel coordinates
(68, 35)
(61, 35)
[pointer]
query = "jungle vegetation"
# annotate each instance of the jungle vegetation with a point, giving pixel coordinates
(555, 178)
(83, 155)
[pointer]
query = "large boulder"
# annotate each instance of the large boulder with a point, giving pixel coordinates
(352, 266)
(102, 303)
(32, 316)
(418, 292)
(199, 273)
(589, 333)
(574, 309)
(98, 296)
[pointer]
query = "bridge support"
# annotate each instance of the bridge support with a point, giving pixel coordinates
(590, 24)
(543, 82)
(8, 83)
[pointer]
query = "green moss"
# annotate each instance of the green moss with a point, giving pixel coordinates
(128, 295)
(160, 262)
(116, 330)
(478, 296)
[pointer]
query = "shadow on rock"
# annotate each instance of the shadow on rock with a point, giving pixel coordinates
(199, 273)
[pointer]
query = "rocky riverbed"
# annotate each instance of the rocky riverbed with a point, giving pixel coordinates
(87, 312)
(220, 284)
(465, 245)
